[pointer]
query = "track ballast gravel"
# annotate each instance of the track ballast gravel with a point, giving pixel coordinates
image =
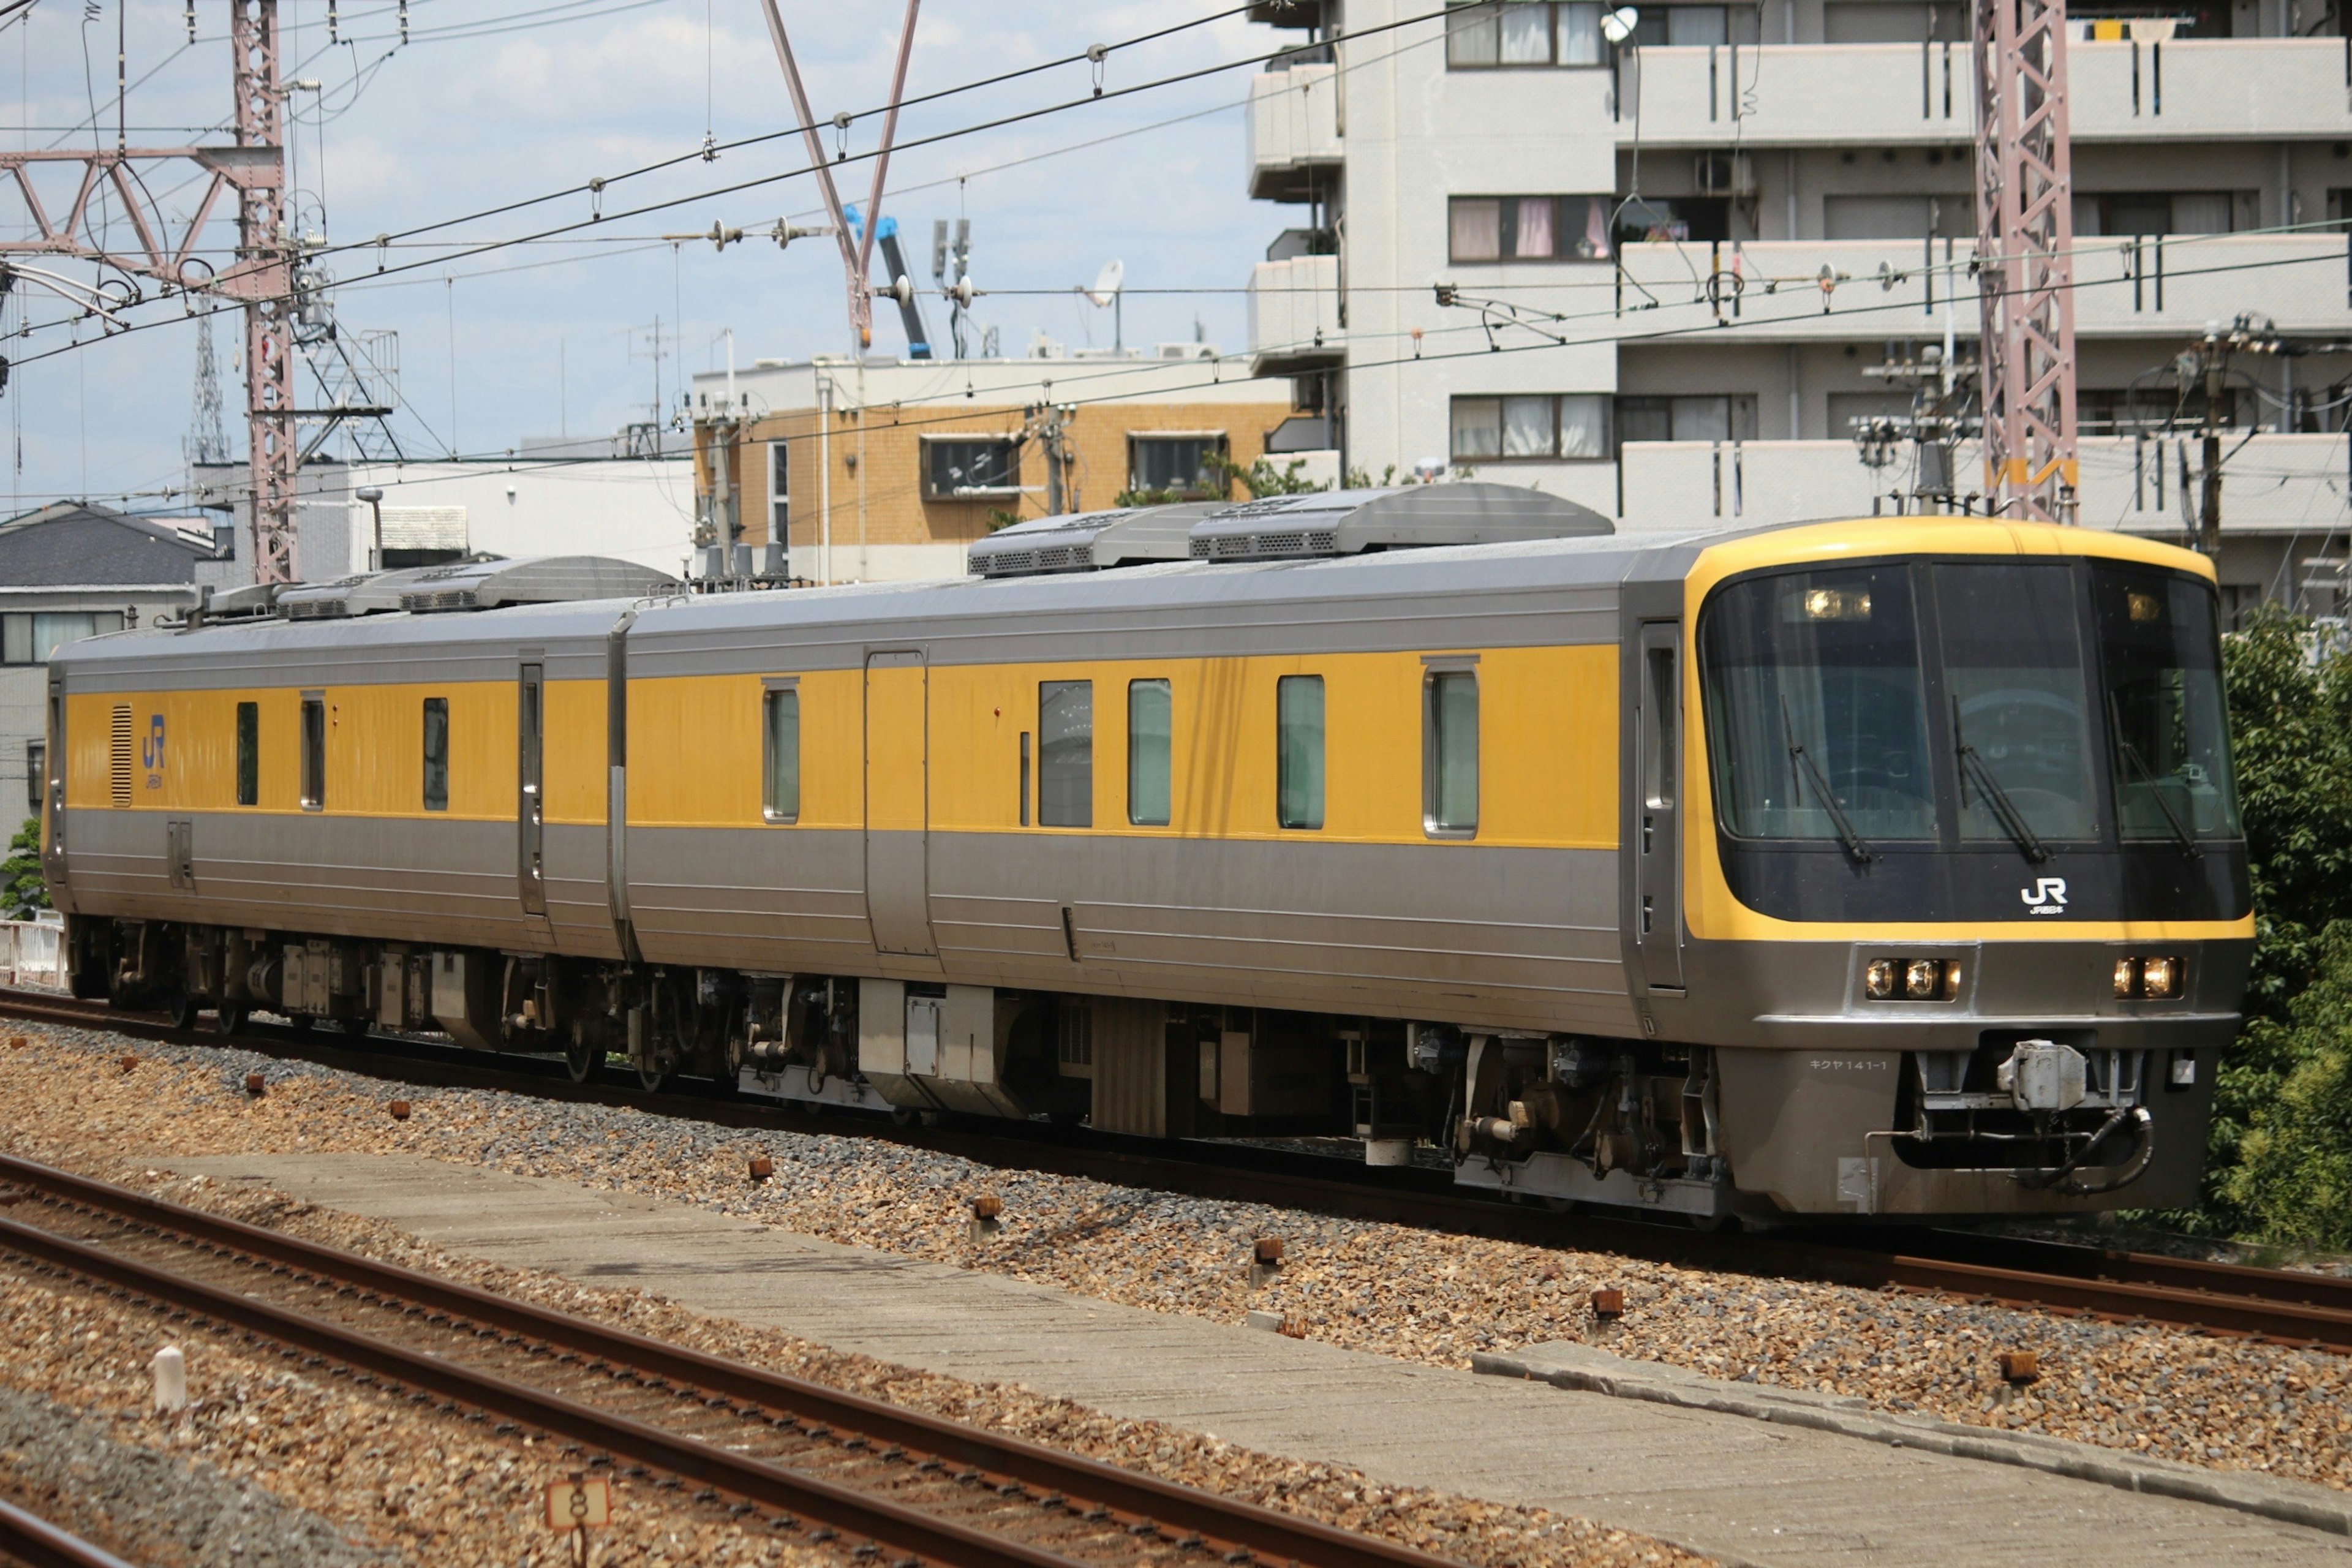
(1418, 1295)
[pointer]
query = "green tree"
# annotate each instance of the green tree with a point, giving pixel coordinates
(23, 888)
(2289, 1175)
(2289, 696)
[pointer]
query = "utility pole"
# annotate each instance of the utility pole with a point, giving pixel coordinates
(261, 278)
(2209, 521)
(2025, 268)
(1047, 424)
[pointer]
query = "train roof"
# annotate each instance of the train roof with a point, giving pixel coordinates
(1451, 583)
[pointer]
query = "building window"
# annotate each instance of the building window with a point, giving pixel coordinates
(780, 796)
(1150, 712)
(1951, 216)
(1449, 753)
(970, 467)
(37, 755)
(2129, 212)
(1065, 754)
(31, 637)
(780, 492)
(1703, 417)
(1553, 427)
(437, 753)
(1528, 228)
(1485, 37)
(1298, 757)
(1187, 465)
(1694, 26)
(314, 753)
(248, 753)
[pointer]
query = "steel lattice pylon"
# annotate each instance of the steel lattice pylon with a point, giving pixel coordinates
(2026, 242)
(261, 278)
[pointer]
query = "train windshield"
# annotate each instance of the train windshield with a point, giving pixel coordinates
(1871, 704)
(1816, 708)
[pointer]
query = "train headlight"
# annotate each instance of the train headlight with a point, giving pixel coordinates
(1878, 980)
(2159, 977)
(2126, 976)
(1922, 978)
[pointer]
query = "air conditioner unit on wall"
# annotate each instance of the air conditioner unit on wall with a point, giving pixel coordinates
(1723, 173)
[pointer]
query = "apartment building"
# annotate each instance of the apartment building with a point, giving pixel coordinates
(1657, 276)
(881, 469)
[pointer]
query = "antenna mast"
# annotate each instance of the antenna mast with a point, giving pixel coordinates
(208, 431)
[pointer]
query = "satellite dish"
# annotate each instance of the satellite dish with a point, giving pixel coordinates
(1107, 282)
(1618, 26)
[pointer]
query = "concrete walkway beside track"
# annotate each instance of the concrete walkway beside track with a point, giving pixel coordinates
(1745, 1490)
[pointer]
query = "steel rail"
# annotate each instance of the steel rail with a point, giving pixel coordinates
(32, 1541)
(1140, 1499)
(2233, 1299)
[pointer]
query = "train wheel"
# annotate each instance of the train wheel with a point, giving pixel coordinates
(182, 1008)
(357, 1028)
(230, 1018)
(654, 1073)
(581, 1059)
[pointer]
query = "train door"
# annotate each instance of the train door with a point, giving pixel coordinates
(1657, 782)
(530, 804)
(53, 792)
(898, 804)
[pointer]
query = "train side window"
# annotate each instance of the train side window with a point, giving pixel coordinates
(248, 753)
(314, 752)
(1025, 778)
(781, 748)
(1449, 753)
(1298, 759)
(1150, 709)
(1065, 754)
(437, 753)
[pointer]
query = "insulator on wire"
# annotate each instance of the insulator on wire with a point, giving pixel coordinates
(191, 21)
(404, 21)
(334, 29)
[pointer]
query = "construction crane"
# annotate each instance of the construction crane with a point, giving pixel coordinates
(2025, 264)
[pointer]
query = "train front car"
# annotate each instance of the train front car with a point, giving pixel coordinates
(1935, 891)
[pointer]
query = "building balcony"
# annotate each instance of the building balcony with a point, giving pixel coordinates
(1867, 95)
(1294, 132)
(2273, 484)
(1294, 316)
(2167, 287)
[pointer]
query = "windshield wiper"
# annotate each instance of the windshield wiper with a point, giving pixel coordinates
(1854, 845)
(2189, 844)
(2013, 821)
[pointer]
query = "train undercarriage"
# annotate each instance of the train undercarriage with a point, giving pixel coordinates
(2025, 1123)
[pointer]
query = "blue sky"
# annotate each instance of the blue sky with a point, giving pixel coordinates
(496, 101)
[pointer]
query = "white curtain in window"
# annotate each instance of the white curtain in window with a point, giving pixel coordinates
(1477, 230)
(1533, 239)
(1470, 36)
(1578, 35)
(1584, 425)
(1526, 33)
(1526, 427)
(1588, 226)
(1477, 428)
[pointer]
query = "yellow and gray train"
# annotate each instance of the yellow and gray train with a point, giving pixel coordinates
(1879, 866)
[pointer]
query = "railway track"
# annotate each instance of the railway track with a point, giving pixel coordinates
(886, 1483)
(34, 1541)
(2287, 1306)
